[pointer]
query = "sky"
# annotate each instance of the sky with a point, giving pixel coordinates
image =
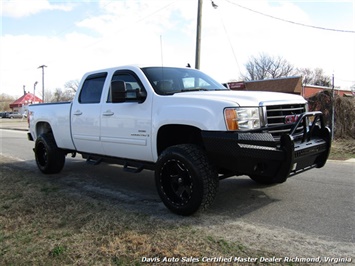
(74, 37)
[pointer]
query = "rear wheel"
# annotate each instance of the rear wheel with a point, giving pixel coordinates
(185, 180)
(49, 158)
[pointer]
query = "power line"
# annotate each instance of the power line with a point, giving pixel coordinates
(290, 21)
(228, 37)
(345, 80)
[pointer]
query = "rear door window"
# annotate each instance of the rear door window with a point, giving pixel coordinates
(92, 88)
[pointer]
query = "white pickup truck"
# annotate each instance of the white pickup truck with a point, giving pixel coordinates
(188, 128)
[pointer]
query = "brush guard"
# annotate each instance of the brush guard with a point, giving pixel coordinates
(257, 153)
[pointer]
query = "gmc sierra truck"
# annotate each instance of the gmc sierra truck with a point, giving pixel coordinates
(188, 128)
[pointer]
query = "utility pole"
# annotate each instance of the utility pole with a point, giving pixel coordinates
(198, 35)
(42, 66)
(198, 32)
(333, 106)
(34, 87)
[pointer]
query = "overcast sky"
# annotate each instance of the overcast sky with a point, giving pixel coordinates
(73, 37)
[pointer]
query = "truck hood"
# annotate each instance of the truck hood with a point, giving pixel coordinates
(244, 98)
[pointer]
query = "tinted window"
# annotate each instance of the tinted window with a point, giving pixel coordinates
(132, 83)
(92, 88)
(169, 80)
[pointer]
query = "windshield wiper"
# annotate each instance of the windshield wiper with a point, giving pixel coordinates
(195, 89)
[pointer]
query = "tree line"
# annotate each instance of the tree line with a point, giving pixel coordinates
(265, 66)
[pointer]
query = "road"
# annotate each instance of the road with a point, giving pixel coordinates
(319, 203)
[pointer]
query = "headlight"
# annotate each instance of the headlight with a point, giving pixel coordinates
(242, 118)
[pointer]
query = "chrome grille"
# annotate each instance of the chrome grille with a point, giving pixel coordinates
(276, 117)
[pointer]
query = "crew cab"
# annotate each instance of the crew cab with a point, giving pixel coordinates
(182, 124)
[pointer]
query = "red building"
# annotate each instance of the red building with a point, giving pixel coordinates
(21, 104)
(310, 90)
(287, 85)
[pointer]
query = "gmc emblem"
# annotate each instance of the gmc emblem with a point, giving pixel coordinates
(290, 119)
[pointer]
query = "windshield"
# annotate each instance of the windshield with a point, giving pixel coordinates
(169, 80)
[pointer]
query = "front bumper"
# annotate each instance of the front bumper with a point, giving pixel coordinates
(257, 153)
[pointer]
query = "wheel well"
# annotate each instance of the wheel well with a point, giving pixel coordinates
(43, 127)
(170, 135)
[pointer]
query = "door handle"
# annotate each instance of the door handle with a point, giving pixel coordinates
(77, 112)
(108, 113)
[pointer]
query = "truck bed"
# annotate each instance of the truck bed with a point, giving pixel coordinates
(57, 115)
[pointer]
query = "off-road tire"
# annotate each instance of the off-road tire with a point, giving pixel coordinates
(185, 180)
(49, 158)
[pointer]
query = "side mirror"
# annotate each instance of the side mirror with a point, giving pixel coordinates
(118, 91)
(141, 95)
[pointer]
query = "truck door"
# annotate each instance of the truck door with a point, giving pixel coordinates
(126, 126)
(85, 115)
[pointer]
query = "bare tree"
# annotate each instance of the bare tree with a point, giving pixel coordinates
(307, 74)
(72, 84)
(5, 101)
(267, 67)
(61, 96)
(314, 77)
(65, 95)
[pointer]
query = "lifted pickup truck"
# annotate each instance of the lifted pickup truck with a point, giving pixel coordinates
(188, 128)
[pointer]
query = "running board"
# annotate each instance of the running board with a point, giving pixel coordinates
(133, 168)
(90, 160)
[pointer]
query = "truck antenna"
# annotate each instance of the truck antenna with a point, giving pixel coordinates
(161, 50)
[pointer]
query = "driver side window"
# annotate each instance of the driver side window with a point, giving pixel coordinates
(132, 83)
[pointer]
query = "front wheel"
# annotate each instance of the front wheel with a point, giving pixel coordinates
(49, 158)
(185, 180)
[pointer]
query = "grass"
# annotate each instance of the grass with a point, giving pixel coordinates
(43, 222)
(342, 149)
(57, 251)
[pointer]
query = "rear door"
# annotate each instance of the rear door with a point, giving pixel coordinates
(126, 126)
(86, 115)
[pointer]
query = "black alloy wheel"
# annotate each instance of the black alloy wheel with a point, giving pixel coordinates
(49, 158)
(185, 180)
